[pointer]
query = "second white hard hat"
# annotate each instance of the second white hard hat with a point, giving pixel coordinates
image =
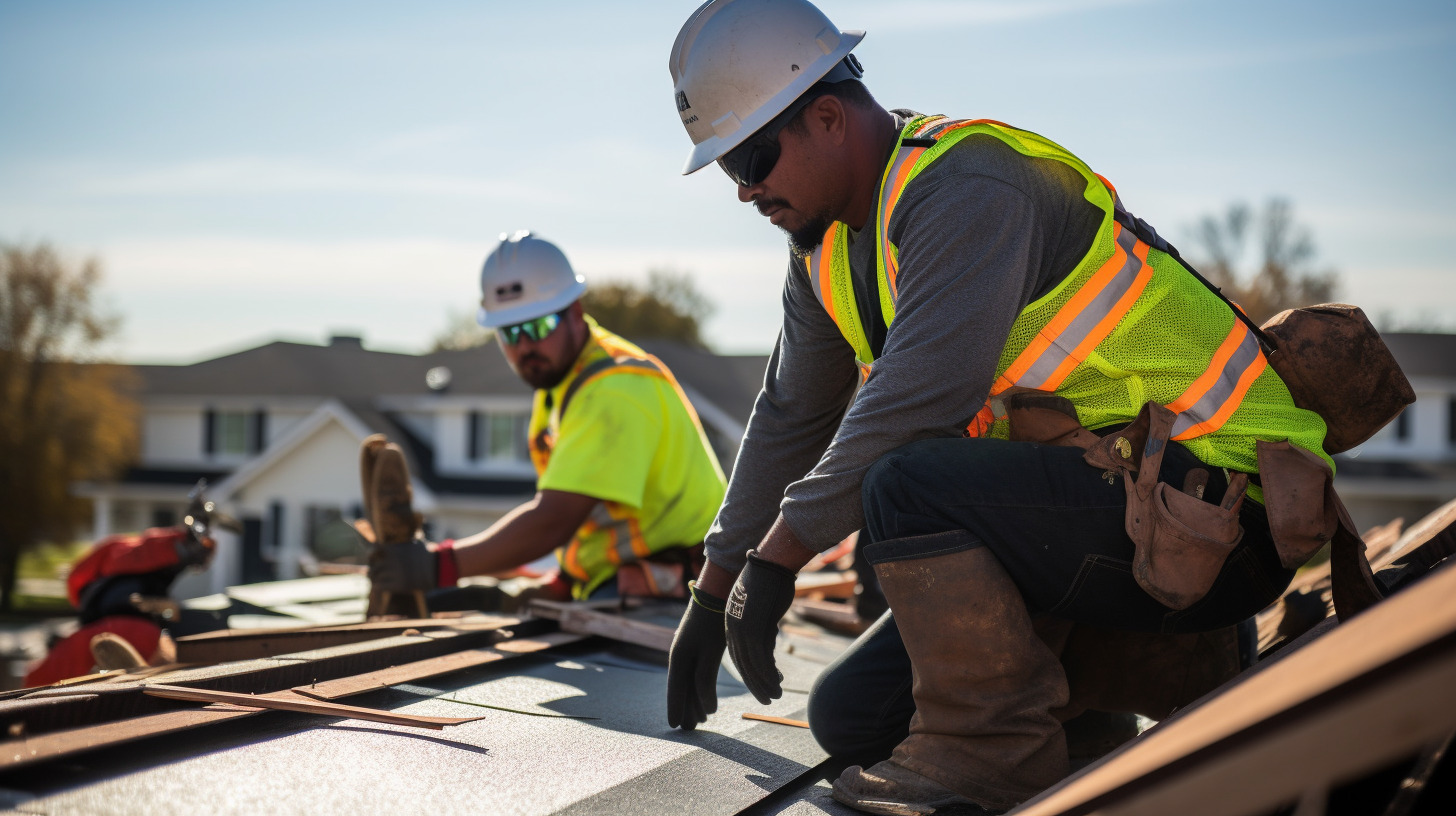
(739, 63)
(524, 278)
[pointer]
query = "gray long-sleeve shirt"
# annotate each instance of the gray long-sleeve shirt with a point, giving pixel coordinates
(982, 232)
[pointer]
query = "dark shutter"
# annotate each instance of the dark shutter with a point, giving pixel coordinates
(209, 432)
(259, 438)
(1402, 425)
(473, 421)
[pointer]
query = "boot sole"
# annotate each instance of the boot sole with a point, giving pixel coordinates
(889, 807)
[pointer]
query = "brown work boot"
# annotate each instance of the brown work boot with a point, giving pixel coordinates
(894, 790)
(985, 686)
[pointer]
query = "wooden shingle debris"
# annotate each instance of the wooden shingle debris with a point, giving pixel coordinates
(54, 722)
(291, 701)
(1368, 693)
(228, 645)
(1308, 599)
(584, 619)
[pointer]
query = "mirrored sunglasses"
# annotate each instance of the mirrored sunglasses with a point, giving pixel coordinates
(538, 329)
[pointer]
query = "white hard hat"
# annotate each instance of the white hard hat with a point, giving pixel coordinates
(525, 278)
(739, 63)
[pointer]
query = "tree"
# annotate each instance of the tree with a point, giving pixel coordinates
(1282, 279)
(461, 332)
(669, 307)
(64, 416)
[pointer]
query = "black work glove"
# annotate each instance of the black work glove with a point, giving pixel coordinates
(760, 597)
(692, 664)
(409, 567)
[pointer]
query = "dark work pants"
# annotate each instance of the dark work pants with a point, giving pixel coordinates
(1055, 524)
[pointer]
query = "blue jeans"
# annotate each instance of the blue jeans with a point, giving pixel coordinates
(1056, 524)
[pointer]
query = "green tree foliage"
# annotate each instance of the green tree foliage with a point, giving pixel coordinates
(64, 416)
(1276, 272)
(669, 307)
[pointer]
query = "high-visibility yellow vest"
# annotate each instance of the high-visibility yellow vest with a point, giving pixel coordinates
(614, 533)
(1129, 324)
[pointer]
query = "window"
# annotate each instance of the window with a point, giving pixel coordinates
(234, 433)
(496, 436)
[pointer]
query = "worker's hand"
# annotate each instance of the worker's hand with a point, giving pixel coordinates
(760, 598)
(408, 567)
(692, 664)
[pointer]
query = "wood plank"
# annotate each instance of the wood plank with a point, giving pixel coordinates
(93, 703)
(230, 645)
(28, 750)
(574, 618)
(289, 701)
(825, 584)
(749, 715)
(432, 667)
(1349, 701)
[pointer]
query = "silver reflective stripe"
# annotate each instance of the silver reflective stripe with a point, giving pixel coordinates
(1223, 388)
(901, 156)
(1066, 343)
(620, 531)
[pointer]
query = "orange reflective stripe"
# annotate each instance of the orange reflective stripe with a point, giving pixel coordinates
(571, 561)
(898, 174)
(1213, 397)
(1086, 319)
(823, 269)
(982, 421)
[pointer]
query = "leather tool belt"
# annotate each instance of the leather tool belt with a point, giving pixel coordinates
(663, 575)
(1180, 541)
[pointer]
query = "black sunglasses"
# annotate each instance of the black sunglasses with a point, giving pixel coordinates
(750, 162)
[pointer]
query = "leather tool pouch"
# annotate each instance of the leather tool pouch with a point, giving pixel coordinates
(664, 575)
(1044, 418)
(1336, 365)
(1305, 513)
(1180, 541)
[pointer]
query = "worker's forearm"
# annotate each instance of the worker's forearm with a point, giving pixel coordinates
(528, 532)
(781, 546)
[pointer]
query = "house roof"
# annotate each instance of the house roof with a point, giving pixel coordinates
(345, 369)
(1423, 355)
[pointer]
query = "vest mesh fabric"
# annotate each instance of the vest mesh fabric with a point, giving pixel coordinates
(1167, 338)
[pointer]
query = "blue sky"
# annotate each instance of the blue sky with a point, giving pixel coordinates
(250, 172)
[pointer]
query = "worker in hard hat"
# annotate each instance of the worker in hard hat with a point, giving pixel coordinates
(627, 483)
(1054, 422)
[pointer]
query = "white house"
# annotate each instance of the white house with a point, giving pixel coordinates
(1408, 469)
(275, 431)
